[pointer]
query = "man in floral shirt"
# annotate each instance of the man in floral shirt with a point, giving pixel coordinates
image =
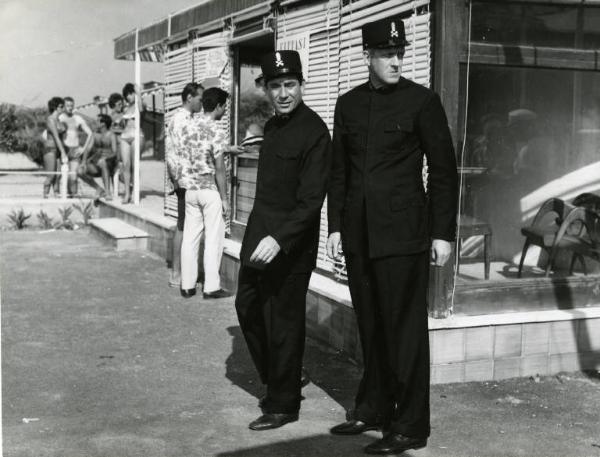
(175, 144)
(201, 171)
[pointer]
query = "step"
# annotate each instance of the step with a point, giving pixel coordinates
(119, 234)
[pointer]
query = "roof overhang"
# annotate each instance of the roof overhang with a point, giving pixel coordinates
(203, 18)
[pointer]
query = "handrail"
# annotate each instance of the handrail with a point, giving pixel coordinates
(64, 175)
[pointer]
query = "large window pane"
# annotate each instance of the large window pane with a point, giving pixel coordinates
(531, 134)
(514, 23)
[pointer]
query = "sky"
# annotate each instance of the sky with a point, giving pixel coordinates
(65, 47)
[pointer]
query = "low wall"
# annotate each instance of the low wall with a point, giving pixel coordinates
(462, 348)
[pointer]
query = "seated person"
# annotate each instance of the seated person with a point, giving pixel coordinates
(101, 159)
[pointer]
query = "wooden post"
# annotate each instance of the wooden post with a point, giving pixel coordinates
(136, 141)
(449, 35)
(64, 180)
(154, 152)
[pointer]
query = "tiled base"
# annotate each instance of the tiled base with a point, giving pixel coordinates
(476, 348)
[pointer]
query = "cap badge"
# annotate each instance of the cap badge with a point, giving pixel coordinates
(278, 61)
(393, 31)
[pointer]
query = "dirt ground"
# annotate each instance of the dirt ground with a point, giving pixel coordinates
(101, 358)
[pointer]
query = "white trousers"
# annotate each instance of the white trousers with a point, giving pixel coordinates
(203, 214)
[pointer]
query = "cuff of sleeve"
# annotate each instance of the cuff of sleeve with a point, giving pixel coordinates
(283, 246)
(444, 236)
(333, 227)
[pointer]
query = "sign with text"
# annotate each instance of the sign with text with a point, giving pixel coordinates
(216, 59)
(299, 42)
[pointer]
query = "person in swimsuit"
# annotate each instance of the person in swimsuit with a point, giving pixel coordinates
(115, 103)
(53, 144)
(75, 123)
(126, 142)
(101, 160)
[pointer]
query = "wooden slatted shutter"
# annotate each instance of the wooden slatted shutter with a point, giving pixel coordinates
(202, 49)
(321, 92)
(353, 71)
(178, 72)
(417, 60)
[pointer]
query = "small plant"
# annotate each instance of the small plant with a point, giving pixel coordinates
(65, 216)
(86, 210)
(45, 220)
(18, 218)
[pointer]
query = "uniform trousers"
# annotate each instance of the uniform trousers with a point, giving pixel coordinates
(389, 298)
(203, 214)
(271, 308)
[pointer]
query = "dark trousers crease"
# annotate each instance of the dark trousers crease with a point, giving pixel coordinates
(271, 309)
(389, 298)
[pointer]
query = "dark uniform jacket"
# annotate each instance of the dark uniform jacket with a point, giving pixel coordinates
(293, 169)
(379, 140)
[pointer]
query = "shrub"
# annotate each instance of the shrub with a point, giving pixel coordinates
(44, 220)
(86, 210)
(65, 216)
(18, 218)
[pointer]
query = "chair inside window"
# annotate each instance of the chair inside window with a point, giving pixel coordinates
(560, 225)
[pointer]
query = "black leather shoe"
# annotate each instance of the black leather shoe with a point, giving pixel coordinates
(187, 293)
(353, 427)
(395, 443)
(269, 421)
(221, 293)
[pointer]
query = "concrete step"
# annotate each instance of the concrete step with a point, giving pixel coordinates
(119, 234)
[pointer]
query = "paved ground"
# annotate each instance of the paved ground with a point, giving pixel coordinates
(100, 358)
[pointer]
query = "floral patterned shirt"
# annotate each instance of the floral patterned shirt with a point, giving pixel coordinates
(193, 142)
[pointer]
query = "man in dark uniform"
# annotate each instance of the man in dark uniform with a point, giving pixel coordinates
(387, 225)
(280, 243)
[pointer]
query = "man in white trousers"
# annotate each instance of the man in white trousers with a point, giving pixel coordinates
(206, 204)
(180, 126)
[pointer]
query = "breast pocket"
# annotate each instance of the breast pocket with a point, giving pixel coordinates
(287, 164)
(395, 133)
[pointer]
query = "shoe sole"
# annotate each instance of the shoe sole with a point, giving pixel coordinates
(366, 429)
(416, 446)
(260, 429)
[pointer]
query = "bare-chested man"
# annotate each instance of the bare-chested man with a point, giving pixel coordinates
(75, 123)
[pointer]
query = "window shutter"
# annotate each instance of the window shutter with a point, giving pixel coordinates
(417, 60)
(321, 92)
(178, 72)
(416, 65)
(205, 47)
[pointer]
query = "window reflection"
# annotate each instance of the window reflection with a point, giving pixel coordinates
(515, 23)
(253, 112)
(532, 134)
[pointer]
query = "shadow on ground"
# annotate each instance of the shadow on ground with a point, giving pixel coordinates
(318, 445)
(329, 370)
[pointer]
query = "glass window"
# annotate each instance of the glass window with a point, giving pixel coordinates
(253, 110)
(514, 23)
(531, 134)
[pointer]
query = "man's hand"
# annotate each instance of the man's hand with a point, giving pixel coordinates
(440, 252)
(266, 250)
(226, 208)
(82, 168)
(334, 245)
(235, 149)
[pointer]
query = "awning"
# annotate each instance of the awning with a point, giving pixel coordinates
(206, 16)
